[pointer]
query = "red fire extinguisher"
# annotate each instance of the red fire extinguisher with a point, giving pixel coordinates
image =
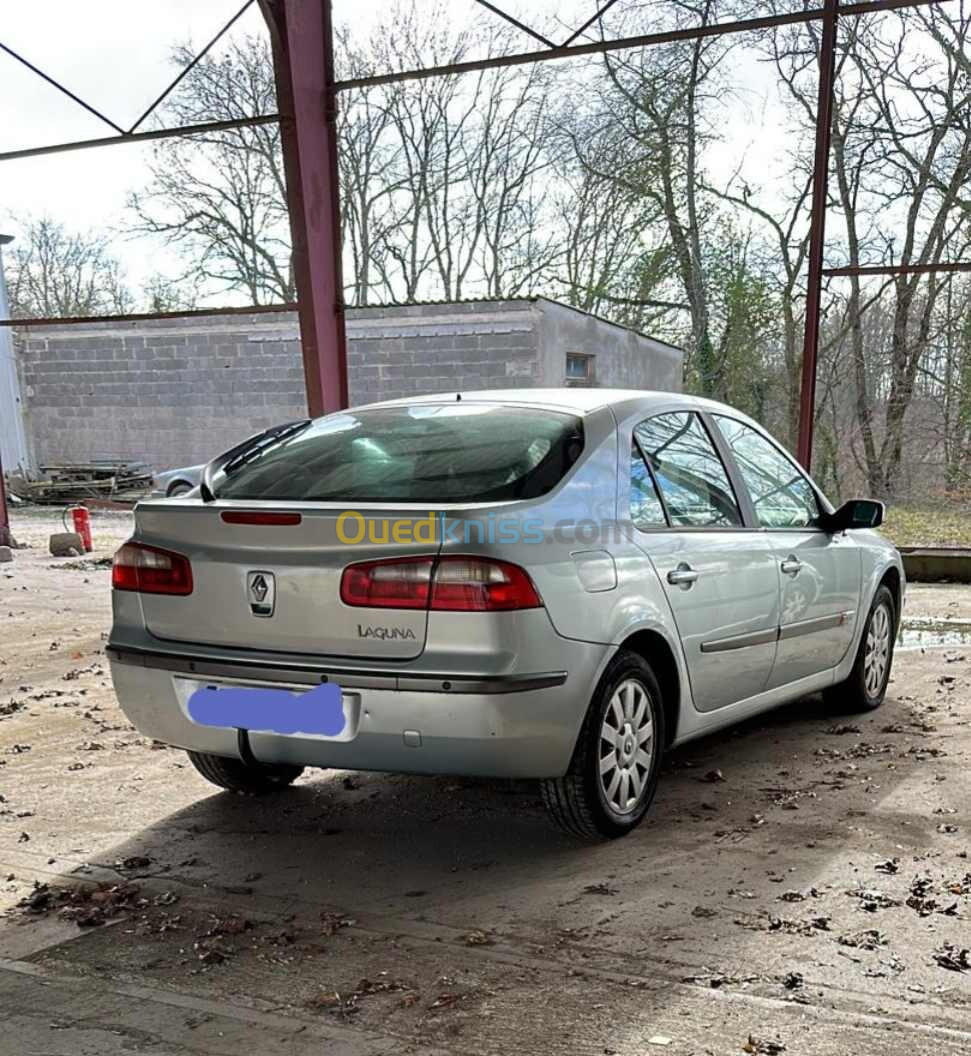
(82, 525)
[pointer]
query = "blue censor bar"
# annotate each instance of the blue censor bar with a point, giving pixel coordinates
(319, 711)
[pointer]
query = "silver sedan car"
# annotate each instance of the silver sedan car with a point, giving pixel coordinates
(175, 482)
(553, 584)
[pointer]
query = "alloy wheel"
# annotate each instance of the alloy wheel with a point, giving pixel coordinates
(626, 746)
(876, 657)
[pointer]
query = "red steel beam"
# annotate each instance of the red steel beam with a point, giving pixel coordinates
(302, 37)
(894, 269)
(137, 317)
(589, 22)
(645, 40)
(140, 137)
(817, 231)
(301, 32)
(515, 22)
(189, 66)
(60, 87)
(562, 52)
(5, 538)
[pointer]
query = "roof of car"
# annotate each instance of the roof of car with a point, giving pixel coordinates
(580, 400)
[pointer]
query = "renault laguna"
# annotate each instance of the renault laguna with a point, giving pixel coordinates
(549, 584)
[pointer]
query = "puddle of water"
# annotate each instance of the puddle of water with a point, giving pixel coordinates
(923, 632)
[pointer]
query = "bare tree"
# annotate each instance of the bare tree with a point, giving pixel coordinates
(782, 251)
(220, 196)
(901, 160)
(371, 182)
(662, 105)
(162, 294)
(944, 386)
(615, 259)
(924, 161)
(455, 164)
(955, 392)
(53, 272)
(441, 179)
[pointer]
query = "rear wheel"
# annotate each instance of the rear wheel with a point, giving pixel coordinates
(866, 686)
(614, 771)
(180, 487)
(237, 776)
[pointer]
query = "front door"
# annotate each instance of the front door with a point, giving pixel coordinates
(820, 573)
(720, 578)
(820, 594)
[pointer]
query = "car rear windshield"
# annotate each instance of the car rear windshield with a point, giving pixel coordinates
(454, 452)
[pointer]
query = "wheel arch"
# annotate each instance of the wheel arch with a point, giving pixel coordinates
(892, 579)
(653, 647)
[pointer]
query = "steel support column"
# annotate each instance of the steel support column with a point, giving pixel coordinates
(817, 231)
(5, 538)
(303, 54)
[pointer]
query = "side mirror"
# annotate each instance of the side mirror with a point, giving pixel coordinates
(856, 513)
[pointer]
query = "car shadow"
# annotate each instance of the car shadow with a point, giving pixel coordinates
(749, 812)
(377, 839)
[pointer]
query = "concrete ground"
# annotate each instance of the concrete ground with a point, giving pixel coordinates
(803, 885)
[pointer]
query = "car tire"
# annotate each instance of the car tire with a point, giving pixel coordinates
(609, 786)
(866, 686)
(180, 487)
(237, 776)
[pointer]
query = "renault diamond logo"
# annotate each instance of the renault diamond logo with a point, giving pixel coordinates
(261, 591)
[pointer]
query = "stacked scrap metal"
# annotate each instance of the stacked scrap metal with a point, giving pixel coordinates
(98, 479)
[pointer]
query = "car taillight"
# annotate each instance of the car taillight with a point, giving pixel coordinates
(151, 570)
(474, 584)
(453, 584)
(400, 583)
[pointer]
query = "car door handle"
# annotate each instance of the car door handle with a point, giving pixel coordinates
(682, 576)
(791, 566)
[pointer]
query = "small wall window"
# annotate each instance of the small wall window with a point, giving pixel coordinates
(579, 369)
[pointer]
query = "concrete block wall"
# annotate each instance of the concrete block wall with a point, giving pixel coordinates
(176, 392)
(622, 358)
(161, 391)
(394, 352)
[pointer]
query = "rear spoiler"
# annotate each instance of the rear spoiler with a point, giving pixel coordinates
(244, 452)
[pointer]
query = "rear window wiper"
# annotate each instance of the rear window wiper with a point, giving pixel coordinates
(251, 448)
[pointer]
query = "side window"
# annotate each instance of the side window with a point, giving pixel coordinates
(693, 482)
(646, 510)
(781, 495)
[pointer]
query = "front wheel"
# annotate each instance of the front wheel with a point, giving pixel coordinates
(237, 776)
(614, 771)
(866, 686)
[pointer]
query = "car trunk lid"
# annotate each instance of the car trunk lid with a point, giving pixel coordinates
(276, 586)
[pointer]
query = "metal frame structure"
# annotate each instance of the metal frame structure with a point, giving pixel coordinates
(302, 36)
(307, 89)
(5, 537)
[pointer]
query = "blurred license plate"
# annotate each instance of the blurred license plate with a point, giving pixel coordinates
(323, 711)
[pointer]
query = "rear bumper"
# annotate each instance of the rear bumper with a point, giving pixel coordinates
(521, 725)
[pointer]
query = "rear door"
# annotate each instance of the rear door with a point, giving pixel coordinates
(719, 574)
(820, 573)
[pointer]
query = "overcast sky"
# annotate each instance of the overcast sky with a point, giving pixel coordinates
(116, 54)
